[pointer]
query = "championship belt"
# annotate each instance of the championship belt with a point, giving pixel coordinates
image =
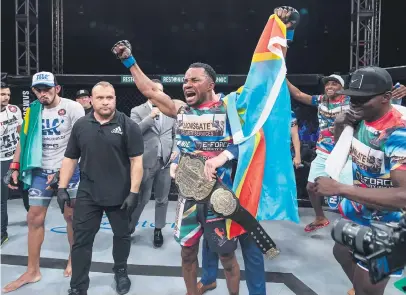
(224, 202)
(190, 179)
(192, 184)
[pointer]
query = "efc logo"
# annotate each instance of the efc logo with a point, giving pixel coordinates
(50, 127)
(42, 77)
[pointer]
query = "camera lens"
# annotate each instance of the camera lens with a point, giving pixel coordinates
(352, 235)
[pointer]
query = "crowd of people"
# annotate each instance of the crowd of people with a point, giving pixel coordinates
(56, 148)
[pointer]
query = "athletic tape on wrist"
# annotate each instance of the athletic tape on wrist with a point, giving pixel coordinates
(129, 62)
(14, 166)
(290, 34)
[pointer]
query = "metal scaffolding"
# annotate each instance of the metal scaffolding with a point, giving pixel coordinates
(57, 36)
(365, 33)
(27, 43)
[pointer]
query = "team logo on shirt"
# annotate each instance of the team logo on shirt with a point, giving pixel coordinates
(62, 112)
(51, 126)
(117, 130)
(201, 125)
(12, 109)
(334, 201)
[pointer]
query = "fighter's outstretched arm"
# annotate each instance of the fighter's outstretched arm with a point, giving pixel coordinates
(122, 50)
(149, 90)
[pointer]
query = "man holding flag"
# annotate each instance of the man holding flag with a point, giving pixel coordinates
(251, 117)
(253, 259)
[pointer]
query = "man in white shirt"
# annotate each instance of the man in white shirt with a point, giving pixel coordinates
(10, 121)
(58, 117)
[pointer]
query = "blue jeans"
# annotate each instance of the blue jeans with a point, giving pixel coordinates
(253, 261)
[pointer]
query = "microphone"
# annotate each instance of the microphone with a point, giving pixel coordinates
(156, 117)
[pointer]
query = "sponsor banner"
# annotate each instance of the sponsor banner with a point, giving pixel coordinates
(21, 97)
(105, 225)
(173, 79)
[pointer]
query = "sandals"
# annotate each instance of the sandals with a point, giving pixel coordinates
(313, 226)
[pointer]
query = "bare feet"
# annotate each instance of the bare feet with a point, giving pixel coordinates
(68, 269)
(319, 223)
(26, 278)
(201, 289)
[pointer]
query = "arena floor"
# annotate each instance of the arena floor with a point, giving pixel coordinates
(306, 265)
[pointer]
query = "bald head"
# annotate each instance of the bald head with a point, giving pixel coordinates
(103, 84)
(104, 99)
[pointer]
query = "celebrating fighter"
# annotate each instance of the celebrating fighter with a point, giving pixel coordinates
(378, 153)
(203, 132)
(44, 138)
(192, 219)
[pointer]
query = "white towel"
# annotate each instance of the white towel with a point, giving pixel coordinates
(339, 155)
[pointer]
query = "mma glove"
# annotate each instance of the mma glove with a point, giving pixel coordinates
(130, 203)
(293, 19)
(63, 198)
(122, 50)
(8, 178)
(53, 184)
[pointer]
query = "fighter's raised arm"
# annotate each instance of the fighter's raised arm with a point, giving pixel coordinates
(291, 18)
(149, 89)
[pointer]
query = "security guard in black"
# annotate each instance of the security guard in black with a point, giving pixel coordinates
(104, 152)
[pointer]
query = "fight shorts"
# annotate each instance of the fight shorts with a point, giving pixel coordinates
(318, 167)
(38, 194)
(363, 216)
(194, 220)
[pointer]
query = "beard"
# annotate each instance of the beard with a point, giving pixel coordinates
(3, 105)
(202, 98)
(48, 102)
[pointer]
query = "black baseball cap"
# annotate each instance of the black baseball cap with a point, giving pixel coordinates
(368, 82)
(82, 93)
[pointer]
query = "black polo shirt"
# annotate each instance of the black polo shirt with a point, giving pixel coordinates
(104, 152)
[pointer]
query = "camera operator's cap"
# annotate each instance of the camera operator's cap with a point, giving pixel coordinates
(43, 80)
(82, 93)
(368, 82)
(335, 78)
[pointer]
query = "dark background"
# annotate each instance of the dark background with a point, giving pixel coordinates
(169, 35)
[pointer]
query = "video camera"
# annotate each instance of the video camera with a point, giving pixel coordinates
(380, 247)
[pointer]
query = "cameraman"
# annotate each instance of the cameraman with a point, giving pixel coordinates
(378, 151)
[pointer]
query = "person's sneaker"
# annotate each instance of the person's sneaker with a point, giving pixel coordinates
(123, 282)
(158, 238)
(76, 292)
(4, 238)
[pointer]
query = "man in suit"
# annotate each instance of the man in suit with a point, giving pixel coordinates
(160, 149)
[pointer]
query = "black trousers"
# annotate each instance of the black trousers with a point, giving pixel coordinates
(86, 223)
(5, 191)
